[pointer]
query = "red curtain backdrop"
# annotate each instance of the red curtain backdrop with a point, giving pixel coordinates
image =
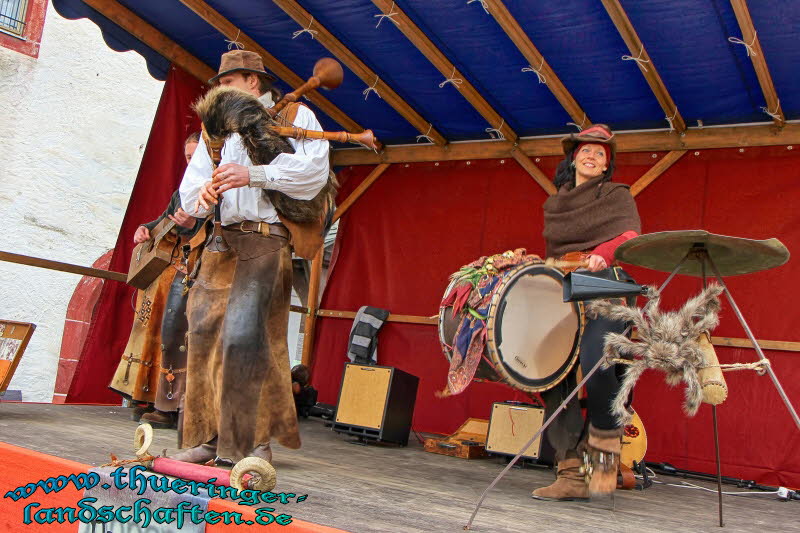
(159, 175)
(420, 222)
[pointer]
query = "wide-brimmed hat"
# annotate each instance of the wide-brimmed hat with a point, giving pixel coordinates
(596, 133)
(237, 60)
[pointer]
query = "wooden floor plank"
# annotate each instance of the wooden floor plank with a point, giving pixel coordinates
(387, 488)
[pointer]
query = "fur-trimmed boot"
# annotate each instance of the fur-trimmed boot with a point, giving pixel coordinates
(569, 485)
(601, 459)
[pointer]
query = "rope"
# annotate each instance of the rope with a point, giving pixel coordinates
(389, 16)
(235, 42)
(638, 59)
(308, 30)
(759, 366)
(425, 135)
(671, 126)
(366, 91)
(495, 133)
(483, 3)
(748, 47)
(579, 126)
(773, 114)
(538, 72)
(452, 79)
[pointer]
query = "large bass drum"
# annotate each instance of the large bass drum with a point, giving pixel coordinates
(533, 336)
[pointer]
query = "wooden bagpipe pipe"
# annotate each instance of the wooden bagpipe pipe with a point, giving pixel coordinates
(328, 74)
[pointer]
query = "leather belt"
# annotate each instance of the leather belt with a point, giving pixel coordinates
(264, 228)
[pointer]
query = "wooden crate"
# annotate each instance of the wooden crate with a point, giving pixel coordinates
(468, 442)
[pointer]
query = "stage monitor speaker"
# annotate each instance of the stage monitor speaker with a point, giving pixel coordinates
(376, 402)
(511, 425)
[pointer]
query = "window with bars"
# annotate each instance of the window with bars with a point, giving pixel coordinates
(12, 16)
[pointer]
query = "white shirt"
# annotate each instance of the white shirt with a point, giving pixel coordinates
(300, 175)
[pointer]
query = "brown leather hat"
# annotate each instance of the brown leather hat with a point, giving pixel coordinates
(596, 133)
(236, 60)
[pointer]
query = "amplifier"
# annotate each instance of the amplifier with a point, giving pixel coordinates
(376, 402)
(511, 425)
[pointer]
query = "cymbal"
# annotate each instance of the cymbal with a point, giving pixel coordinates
(733, 256)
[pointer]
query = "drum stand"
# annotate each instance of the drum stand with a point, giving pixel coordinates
(700, 253)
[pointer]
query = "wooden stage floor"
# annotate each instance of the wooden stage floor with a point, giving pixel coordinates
(386, 488)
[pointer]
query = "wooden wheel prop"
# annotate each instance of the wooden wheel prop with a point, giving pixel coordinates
(142, 440)
(262, 474)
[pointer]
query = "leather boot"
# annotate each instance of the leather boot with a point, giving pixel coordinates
(140, 410)
(263, 451)
(160, 419)
(199, 454)
(570, 484)
(601, 459)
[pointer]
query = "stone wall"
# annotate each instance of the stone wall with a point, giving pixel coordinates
(75, 125)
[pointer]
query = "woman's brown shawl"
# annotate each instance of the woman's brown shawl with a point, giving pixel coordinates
(581, 218)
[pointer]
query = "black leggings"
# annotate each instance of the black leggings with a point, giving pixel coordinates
(567, 430)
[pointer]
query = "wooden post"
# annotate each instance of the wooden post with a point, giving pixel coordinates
(313, 305)
(316, 267)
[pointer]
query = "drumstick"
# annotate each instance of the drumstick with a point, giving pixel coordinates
(571, 264)
(566, 265)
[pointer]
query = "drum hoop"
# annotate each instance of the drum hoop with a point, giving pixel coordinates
(448, 352)
(507, 375)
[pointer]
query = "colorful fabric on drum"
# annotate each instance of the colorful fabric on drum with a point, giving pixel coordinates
(470, 299)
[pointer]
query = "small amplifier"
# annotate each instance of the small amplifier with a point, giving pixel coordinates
(376, 402)
(511, 426)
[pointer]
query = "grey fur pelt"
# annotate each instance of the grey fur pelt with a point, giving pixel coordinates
(667, 341)
(226, 110)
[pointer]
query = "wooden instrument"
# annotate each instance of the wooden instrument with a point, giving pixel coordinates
(366, 138)
(634, 442)
(327, 74)
(715, 390)
(151, 257)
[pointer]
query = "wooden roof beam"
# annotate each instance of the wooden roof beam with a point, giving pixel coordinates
(229, 30)
(637, 51)
(136, 26)
(518, 36)
(655, 171)
(366, 74)
(650, 141)
(534, 171)
(445, 67)
(750, 37)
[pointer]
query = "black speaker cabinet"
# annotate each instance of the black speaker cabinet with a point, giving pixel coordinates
(511, 425)
(376, 402)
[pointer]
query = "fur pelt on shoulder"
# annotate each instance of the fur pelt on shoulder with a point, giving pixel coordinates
(226, 110)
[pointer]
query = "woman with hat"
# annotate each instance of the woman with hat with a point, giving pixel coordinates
(588, 218)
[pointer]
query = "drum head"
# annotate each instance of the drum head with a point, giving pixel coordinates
(533, 335)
